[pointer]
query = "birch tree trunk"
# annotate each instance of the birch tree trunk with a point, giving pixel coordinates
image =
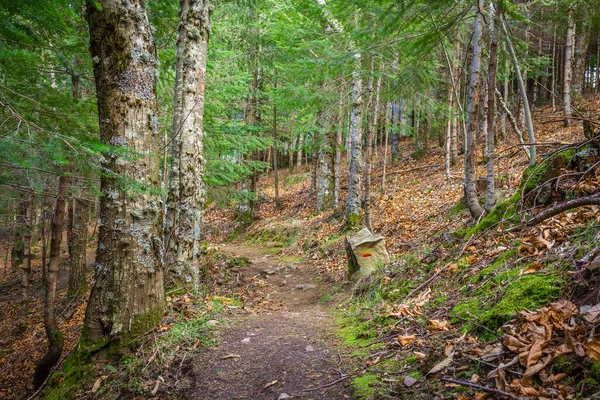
(568, 69)
(473, 110)
(128, 295)
(53, 333)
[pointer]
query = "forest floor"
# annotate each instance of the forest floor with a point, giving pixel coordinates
(291, 351)
(259, 329)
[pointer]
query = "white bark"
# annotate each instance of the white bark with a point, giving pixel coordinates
(568, 69)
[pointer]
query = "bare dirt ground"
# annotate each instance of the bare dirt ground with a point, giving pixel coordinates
(288, 353)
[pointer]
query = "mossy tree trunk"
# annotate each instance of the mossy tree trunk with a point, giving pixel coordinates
(185, 200)
(128, 296)
(53, 333)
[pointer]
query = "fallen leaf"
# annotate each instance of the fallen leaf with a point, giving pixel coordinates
(445, 363)
(439, 325)
(540, 243)
(592, 349)
(532, 268)
(592, 314)
(406, 340)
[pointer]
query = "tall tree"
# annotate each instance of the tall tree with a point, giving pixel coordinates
(568, 68)
(53, 333)
(473, 111)
(128, 294)
(186, 188)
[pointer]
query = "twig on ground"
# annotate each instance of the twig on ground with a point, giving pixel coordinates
(327, 385)
(484, 388)
(588, 258)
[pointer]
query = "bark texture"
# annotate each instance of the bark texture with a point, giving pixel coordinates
(53, 333)
(128, 296)
(473, 111)
(27, 221)
(186, 188)
(77, 248)
(568, 68)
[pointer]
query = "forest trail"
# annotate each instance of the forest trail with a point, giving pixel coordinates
(276, 353)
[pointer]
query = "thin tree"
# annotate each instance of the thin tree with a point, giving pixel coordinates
(568, 69)
(473, 110)
(53, 333)
(490, 195)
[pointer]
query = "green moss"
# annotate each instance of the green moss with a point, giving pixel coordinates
(415, 374)
(365, 386)
(352, 221)
(490, 308)
(529, 292)
(458, 208)
(595, 371)
(505, 211)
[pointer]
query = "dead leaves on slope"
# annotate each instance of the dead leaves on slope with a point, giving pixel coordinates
(538, 338)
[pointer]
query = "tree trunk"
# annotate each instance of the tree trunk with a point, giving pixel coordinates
(314, 176)
(53, 333)
(338, 150)
(490, 195)
(128, 296)
(568, 69)
(370, 140)
(18, 248)
(523, 92)
(553, 93)
(388, 113)
(300, 149)
(470, 174)
(291, 154)
(395, 132)
(582, 41)
(77, 248)
(325, 179)
(27, 222)
(275, 139)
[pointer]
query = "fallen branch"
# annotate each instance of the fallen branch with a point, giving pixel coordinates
(484, 388)
(588, 258)
(590, 200)
(327, 385)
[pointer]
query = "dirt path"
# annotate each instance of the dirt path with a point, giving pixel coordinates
(276, 354)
